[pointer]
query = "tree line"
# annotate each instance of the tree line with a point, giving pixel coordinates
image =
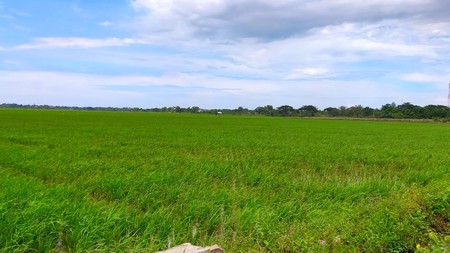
(387, 111)
(390, 111)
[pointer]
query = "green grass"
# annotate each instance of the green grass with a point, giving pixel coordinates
(75, 181)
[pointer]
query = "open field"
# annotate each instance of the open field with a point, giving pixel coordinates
(75, 181)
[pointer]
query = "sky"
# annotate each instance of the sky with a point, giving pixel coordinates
(224, 53)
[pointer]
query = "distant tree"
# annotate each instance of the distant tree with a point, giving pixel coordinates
(194, 109)
(270, 110)
(343, 111)
(331, 111)
(285, 110)
(368, 112)
(389, 111)
(436, 111)
(260, 110)
(410, 111)
(355, 111)
(12, 105)
(265, 110)
(308, 111)
(241, 110)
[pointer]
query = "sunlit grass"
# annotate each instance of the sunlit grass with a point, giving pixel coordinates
(107, 181)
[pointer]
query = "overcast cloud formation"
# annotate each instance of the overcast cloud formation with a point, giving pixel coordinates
(224, 54)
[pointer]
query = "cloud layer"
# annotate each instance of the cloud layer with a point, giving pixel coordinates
(71, 42)
(266, 19)
(217, 53)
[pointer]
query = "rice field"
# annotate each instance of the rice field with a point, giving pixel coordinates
(78, 181)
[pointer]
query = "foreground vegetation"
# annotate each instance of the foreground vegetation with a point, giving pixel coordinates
(140, 182)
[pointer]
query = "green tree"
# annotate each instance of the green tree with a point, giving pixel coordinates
(436, 111)
(368, 112)
(265, 110)
(343, 111)
(331, 111)
(308, 111)
(355, 111)
(285, 110)
(410, 111)
(389, 111)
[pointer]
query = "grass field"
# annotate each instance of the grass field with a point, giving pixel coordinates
(75, 181)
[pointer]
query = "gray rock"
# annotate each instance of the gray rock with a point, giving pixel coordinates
(189, 248)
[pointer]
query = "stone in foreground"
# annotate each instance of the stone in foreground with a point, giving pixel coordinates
(189, 248)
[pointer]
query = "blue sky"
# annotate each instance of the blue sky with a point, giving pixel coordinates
(224, 53)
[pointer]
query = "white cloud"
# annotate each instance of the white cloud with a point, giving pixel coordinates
(279, 36)
(309, 73)
(330, 47)
(423, 78)
(59, 88)
(12, 62)
(275, 19)
(61, 42)
(105, 23)
(226, 53)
